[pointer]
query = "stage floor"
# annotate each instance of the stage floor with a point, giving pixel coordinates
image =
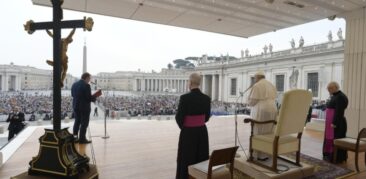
(147, 149)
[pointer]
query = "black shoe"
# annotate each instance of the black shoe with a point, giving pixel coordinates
(85, 141)
(262, 159)
(76, 139)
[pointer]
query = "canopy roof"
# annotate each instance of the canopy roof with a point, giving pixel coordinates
(243, 18)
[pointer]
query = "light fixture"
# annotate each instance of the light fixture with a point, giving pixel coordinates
(291, 3)
(269, 1)
(332, 17)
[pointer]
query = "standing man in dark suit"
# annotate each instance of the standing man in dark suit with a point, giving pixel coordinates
(82, 97)
(193, 112)
(16, 119)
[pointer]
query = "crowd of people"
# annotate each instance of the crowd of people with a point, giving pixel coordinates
(36, 104)
(33, 104)
(141, 105)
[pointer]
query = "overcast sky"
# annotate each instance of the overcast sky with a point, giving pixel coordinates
(126, 45)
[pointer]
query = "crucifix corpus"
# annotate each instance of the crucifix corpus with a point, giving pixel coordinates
(57, 155)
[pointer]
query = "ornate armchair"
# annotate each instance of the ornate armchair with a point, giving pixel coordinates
(286, 137)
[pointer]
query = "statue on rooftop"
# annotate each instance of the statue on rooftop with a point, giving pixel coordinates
(340, 34)
(246, 53)
(301, 42)
(292, 42)
(242, 53)
(265, 48)
(330, 36)
(270, 47)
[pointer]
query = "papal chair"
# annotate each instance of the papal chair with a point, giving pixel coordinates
(355, 145)
(215, 167)
(286, 137)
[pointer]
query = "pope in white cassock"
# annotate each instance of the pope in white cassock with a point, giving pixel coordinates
(262, 100)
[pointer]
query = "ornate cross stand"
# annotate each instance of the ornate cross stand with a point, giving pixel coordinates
(57, 154)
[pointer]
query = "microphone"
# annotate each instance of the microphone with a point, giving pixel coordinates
(248, 88)
(93, 83)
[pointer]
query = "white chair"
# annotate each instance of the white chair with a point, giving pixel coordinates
(286, 137)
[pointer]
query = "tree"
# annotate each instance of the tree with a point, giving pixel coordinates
(180, 63)
(170, 66)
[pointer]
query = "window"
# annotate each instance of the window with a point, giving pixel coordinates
(233, 87)
(313, 83)
(280, 83)
(252, 81)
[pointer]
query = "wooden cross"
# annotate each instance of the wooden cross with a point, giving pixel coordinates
(56, 25)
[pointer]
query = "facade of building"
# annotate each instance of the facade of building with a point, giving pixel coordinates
(17, 78)
(168, 80)
(311, 67)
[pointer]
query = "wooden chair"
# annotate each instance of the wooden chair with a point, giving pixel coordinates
(286, 137)
(214, 168)
(350, 144)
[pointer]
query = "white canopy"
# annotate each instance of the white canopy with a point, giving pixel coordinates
(243, 18)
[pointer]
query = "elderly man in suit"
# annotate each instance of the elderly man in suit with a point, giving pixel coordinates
(193, 112)
(82, 97)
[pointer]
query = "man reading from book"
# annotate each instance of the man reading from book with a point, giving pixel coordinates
(82, 97)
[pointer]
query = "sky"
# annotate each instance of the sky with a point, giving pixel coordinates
(117, 44)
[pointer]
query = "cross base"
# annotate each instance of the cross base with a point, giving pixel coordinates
(58, 156)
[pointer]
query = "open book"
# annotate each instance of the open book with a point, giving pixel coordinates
(97, 93)
(203, 166)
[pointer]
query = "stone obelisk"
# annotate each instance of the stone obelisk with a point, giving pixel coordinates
(84, 58)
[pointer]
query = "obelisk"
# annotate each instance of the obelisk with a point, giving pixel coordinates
(84, 58)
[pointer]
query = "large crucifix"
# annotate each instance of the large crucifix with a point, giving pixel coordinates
(56, 25)
(57, 155)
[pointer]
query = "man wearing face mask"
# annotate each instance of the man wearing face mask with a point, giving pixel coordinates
(82, 97)
(16, 119)
(193, 112)
(263, 107)
(335, 122)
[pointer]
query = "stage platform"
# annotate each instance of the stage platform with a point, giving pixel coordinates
(147, 149)
(92, 174)
(255, 171)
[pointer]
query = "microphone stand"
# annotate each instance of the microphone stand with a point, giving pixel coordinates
(236, 119)
(105, 115)
(105, 120)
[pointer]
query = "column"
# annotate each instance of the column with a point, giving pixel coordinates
(203, 82)
(136, 85)
(149, 85)
(142, 84)
(154, 84)
(355, 70)
(184, 86)
(220, 87)
(1, 83)
(6, 83)
(179, 86)
(213, 88)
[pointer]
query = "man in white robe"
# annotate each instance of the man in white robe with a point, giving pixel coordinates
(262, 100)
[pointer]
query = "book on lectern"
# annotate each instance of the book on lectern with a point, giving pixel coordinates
(97, 93)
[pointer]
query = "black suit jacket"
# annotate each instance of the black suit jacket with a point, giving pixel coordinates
(16, 121)
(82, 97)
(193, 103)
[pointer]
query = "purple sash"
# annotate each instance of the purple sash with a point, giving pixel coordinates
(329, 131)
(194, 121)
